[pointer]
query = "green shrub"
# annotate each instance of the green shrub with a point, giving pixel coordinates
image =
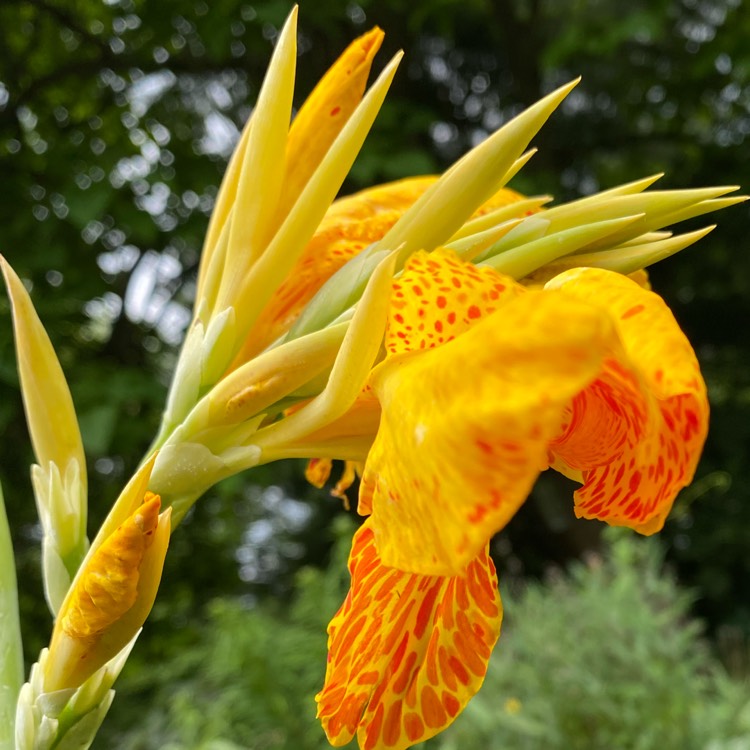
(602, 657)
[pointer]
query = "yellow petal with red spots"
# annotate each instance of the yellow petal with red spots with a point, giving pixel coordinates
(438, 297)
(636, 433)
(406, 652)
(465, 427)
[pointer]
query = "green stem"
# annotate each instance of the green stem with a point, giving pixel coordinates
(11, 651)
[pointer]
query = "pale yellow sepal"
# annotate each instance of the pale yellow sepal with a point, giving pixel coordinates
(500, 215)
(61, 504)
(659, 207)
(471, 181)
(266, 379)
(350, 371)
(472, 245)
(302, 221)
(53, 426)
(262, 171)
(520, 261)
(65, 719)
(338, 294)
(631, 258)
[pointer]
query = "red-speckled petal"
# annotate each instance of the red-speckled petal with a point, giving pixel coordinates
(637, 432)
(406, 652)
(439, 297)
(465, 427)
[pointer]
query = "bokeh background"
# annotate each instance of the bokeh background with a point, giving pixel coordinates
(117, 118)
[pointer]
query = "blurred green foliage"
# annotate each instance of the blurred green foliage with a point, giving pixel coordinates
(605, 656)
(116, 121)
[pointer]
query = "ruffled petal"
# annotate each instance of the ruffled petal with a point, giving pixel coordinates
(406, 652)
(637, 431)
(465, 427)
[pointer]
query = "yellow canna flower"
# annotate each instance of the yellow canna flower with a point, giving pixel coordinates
(485, 384)
(114, 589)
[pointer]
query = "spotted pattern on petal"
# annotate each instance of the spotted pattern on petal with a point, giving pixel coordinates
(439, 297)
(637, 432)
(465, 427)
(406, 652)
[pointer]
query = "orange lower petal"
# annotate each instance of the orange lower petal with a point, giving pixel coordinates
(637, 432)
(406, 652)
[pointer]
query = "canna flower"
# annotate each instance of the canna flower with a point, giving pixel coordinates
(486, 383)
(501, 358)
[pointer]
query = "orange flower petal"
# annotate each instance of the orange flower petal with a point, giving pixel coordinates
(406, 652)
(637, 431)
(466, 425)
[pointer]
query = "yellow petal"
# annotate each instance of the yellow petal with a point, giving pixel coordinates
(325, 112)
(406, 652)
(439, 297)
(465, 425)
(110, 598)
(636, 433)
(49, 408)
